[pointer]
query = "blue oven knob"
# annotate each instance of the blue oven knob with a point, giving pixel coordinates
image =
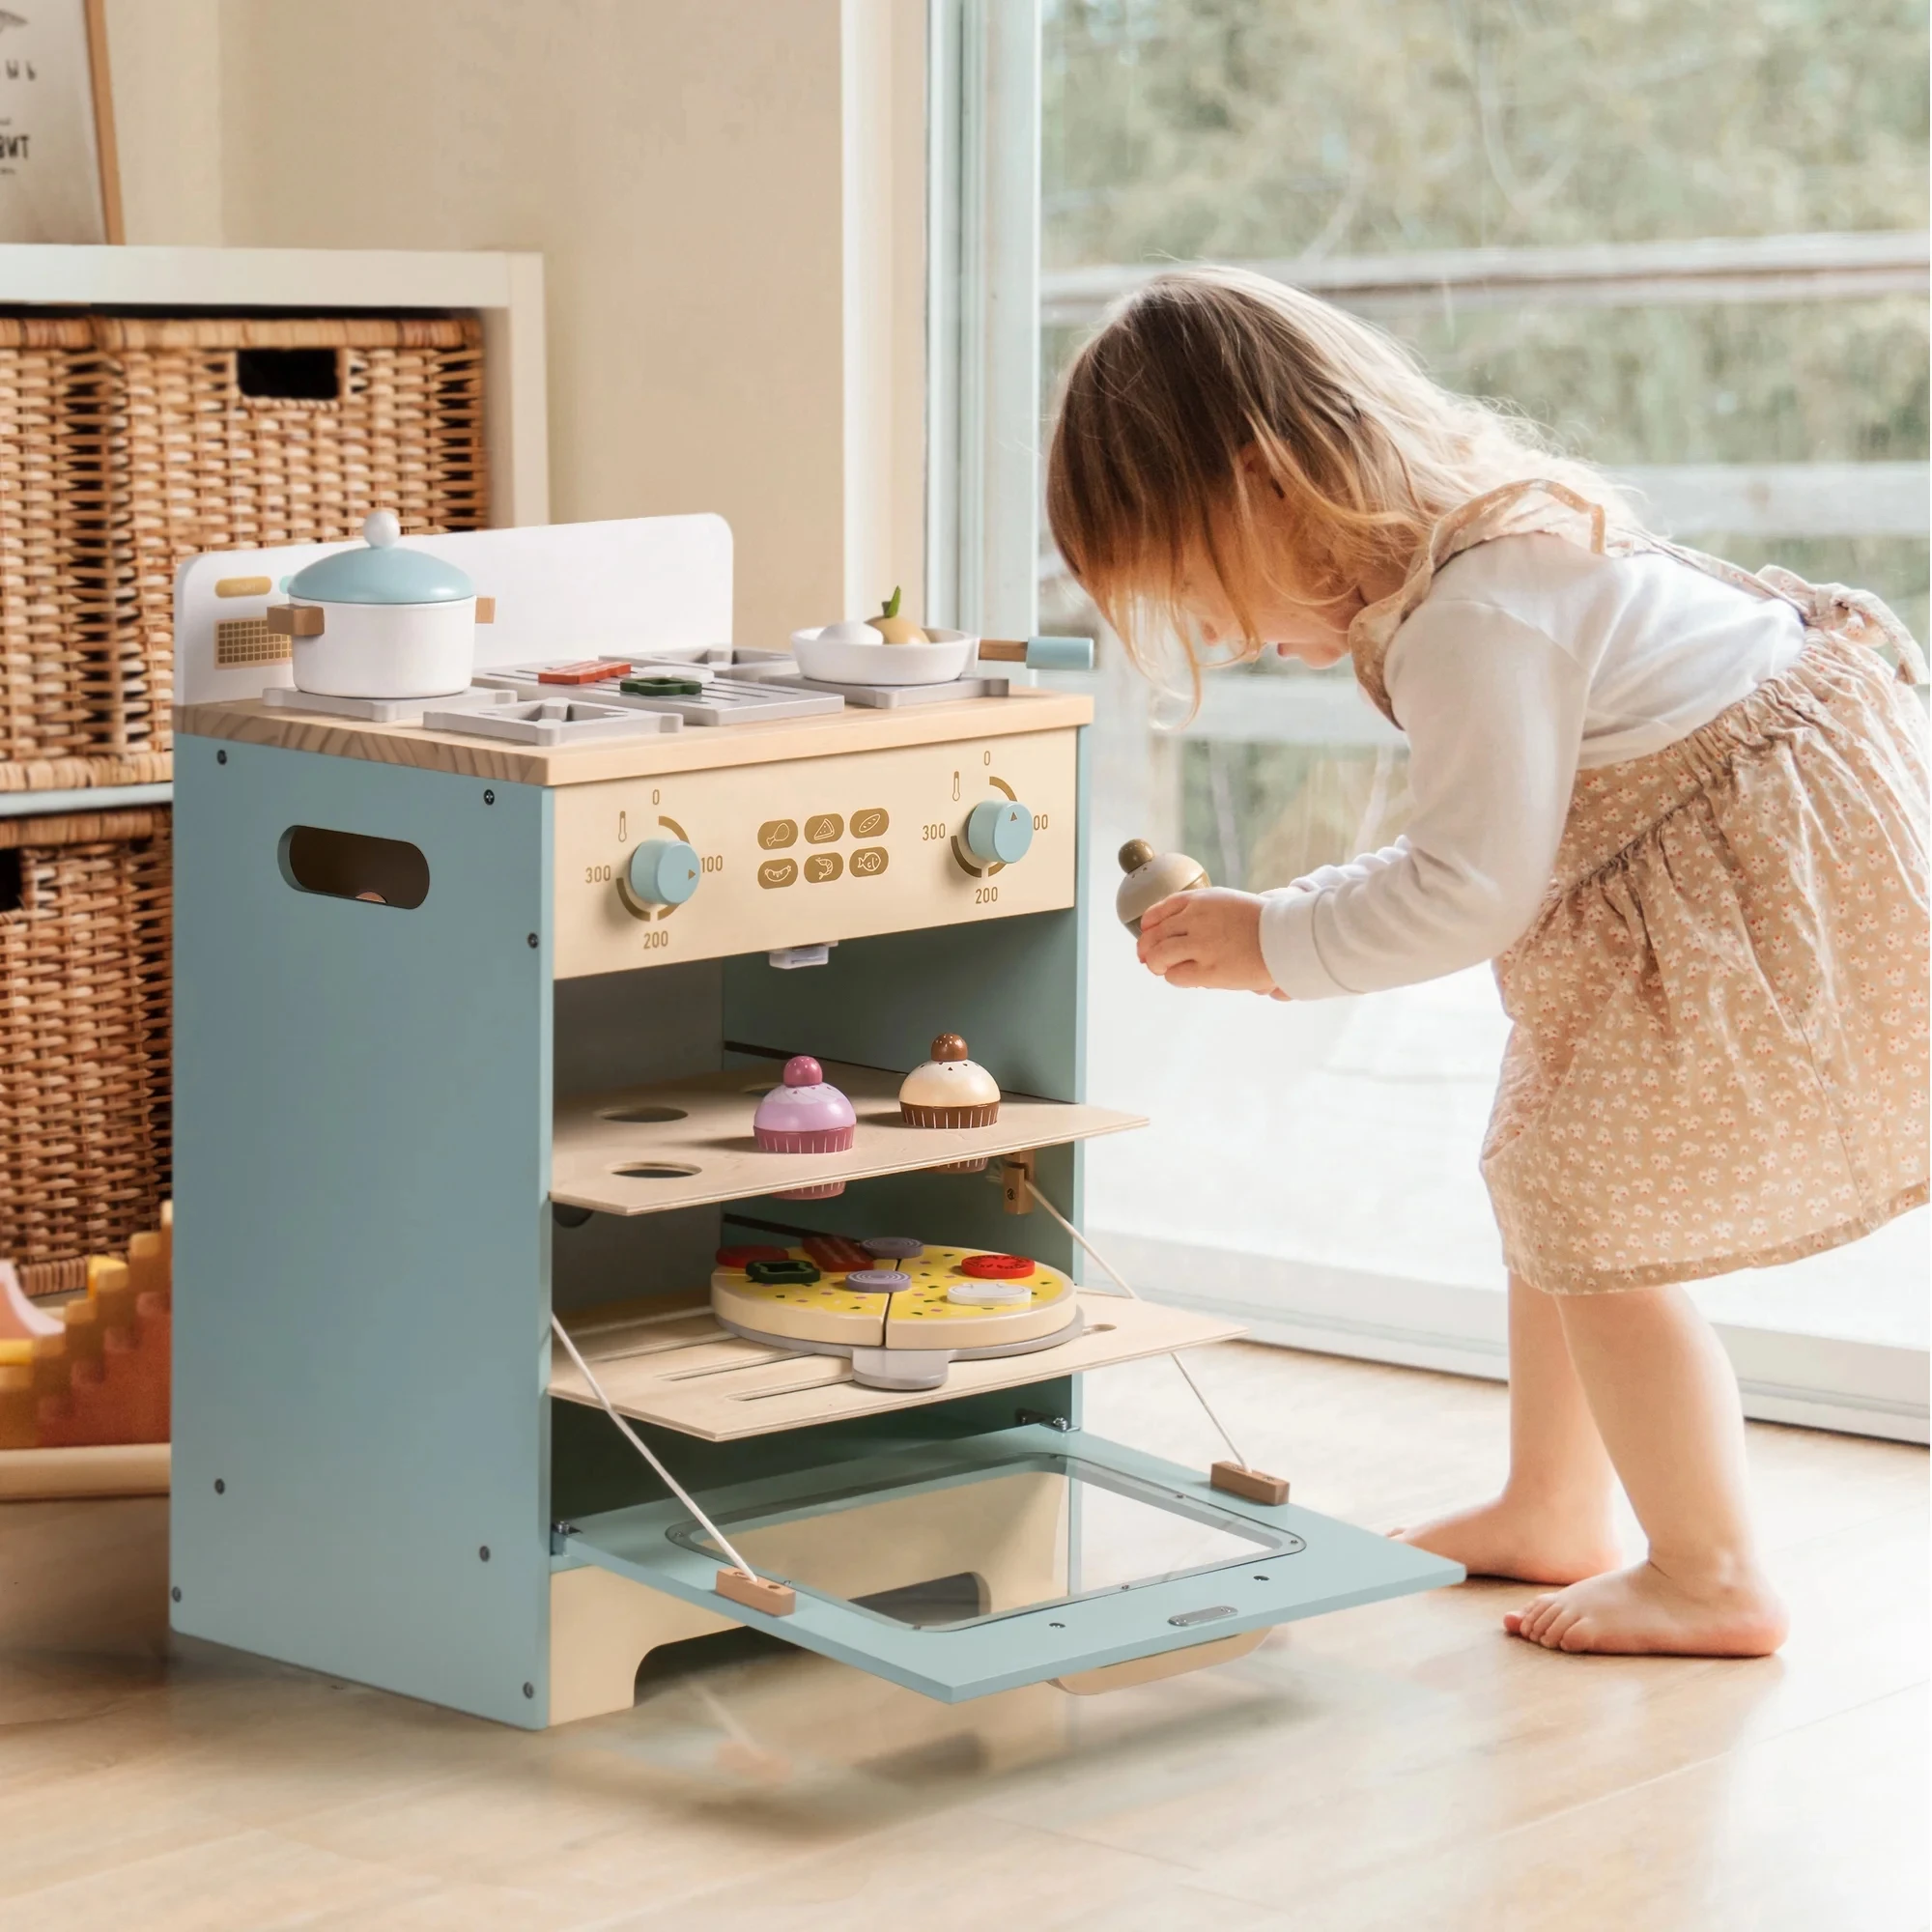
(663, 872)
(999, 831)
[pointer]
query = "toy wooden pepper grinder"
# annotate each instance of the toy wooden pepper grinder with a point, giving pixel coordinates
(1151, 877)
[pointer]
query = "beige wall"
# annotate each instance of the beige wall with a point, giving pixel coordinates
(165, 58)
(678, 165)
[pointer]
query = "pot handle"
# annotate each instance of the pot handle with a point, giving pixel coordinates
(295, 620)
(486, 610)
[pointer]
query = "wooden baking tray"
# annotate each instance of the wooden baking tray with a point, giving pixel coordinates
(676, 1367)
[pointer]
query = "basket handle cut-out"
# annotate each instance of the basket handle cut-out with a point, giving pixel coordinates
(353, 865)
(290, 375)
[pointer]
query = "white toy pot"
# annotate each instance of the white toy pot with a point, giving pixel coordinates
(386, 650)
(381, 621)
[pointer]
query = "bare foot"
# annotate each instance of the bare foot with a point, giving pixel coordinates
(1527, 1543)
(1642, 1611)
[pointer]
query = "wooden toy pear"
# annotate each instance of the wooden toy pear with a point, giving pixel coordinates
(1151, 877)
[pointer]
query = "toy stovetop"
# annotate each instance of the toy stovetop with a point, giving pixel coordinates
(251, 721)
(636, 589)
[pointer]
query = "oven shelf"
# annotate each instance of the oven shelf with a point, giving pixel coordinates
(676, 1367)
(704, 1152)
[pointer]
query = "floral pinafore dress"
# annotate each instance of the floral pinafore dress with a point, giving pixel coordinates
(1718, 1050)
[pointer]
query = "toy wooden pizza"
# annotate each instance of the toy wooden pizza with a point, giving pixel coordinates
(902, 1309)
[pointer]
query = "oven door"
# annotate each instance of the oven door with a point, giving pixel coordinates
(963, 1568)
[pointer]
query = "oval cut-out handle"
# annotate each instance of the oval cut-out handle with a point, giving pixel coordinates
(354, 865)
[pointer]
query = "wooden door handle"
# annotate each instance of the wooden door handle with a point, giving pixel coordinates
(1169, 1664)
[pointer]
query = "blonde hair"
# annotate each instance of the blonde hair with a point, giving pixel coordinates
(1204, 372)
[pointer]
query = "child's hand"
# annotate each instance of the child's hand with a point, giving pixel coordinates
(1209, 938)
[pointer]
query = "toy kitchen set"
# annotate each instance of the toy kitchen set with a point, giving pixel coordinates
(628, 1115)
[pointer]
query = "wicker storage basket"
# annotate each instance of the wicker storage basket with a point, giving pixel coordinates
(84, 1019)
(128, 442)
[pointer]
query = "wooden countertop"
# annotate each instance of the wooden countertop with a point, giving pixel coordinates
(695, 749)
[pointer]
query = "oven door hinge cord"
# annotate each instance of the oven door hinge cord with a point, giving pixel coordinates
(1114, 1274)
(643, 1449)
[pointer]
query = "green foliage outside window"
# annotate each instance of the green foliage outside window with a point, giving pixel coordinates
(1272, 129)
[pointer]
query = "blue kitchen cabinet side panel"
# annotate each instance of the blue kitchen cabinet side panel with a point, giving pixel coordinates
(362, 1108)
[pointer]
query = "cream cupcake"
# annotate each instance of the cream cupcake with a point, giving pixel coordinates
(1151, 877)
(949, 1090)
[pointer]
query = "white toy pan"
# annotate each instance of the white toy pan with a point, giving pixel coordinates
(829, 660)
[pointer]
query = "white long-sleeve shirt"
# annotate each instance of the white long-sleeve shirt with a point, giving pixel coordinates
(1530, 659)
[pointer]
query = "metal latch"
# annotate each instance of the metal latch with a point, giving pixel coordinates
(1209, 1615)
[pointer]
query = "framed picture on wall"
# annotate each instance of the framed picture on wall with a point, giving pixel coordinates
(59, 178)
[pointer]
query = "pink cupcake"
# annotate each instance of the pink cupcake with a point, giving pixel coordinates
(804, 1114)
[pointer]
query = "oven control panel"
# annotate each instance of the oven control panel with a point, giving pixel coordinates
(752, 858)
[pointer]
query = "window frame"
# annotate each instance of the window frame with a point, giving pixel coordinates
(988, 302)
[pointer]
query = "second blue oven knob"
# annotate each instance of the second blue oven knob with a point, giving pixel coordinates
(999, 831)
(663, 871)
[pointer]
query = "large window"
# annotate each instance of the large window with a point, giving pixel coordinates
(1693, 243)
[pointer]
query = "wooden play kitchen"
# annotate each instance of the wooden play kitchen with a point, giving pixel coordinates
(474, 1031)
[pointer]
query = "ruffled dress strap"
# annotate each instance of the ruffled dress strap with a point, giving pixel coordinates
(1857, 616)
(1538, 506)
(1534, 505)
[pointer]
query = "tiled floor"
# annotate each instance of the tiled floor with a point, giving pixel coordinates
(1404, 1765)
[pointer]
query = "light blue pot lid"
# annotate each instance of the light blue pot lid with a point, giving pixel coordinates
(381, 571)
